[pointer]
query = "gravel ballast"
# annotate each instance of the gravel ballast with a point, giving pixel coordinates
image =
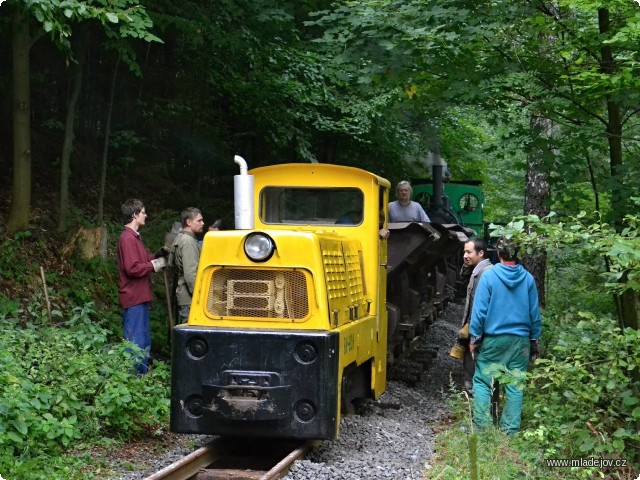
(391, 438)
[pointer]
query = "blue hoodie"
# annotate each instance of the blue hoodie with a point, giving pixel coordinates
(506, 303)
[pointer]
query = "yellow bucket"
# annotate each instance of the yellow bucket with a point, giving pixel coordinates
(457, 351)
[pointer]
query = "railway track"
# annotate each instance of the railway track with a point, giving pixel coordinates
(236, 459)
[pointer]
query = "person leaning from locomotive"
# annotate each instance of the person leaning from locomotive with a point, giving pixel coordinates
(404, 209)
(475, 260)
(186, 251)
(505, 327)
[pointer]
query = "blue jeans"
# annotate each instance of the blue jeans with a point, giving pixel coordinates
(135, 321)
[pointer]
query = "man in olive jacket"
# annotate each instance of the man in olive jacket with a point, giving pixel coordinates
(187, 255)
(476, 257)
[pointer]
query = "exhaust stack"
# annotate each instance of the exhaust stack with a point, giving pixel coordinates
(243, 197)
(438, 182)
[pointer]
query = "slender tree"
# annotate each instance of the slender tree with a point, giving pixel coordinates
(56, 19)
(537, 194)
(76, 73)
(21, 201)
(105, 149)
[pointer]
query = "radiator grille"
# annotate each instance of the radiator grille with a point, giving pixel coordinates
(239, 292)
(354, 276)
(335, 273)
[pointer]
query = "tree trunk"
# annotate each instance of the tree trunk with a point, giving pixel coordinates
(21, 194)
(105, 151)
(629, 306)
(537, 195)
(87, 243)
(618, 189)
(628, 301)
(69, 133)
(592, 179)
(614, 128)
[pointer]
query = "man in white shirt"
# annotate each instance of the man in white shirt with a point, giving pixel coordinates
(404, 209)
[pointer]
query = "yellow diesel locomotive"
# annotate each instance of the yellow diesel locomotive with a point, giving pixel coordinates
(300, 309)
(288, 322)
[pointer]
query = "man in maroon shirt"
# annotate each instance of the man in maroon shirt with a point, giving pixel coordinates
(135, 264)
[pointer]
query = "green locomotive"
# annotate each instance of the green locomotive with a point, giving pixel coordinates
(461, 202)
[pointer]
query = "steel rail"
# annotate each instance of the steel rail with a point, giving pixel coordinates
(194, 465)
(187, 466)
(283, 465)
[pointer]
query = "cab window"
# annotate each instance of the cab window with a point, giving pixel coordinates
(311, 206)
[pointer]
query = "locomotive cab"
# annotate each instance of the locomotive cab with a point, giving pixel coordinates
(288, 323)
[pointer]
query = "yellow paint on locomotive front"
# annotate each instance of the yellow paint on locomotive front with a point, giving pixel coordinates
(223, 255)
(322, 276)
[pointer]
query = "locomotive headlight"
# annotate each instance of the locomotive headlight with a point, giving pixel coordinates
(259, 247)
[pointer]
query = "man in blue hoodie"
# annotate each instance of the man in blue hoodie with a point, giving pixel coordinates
(505, 328)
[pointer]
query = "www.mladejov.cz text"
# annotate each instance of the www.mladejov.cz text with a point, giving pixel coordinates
(586, 462)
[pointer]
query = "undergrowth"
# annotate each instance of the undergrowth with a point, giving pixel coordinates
(523, 456)
(497, 457)
(66, 385)
(67, 380)
(582, 400)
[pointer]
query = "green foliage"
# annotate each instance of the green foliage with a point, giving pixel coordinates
(12, 268)
(588, 239)
(63, 384)
(584, 395)
(9, 308)
(544, 436)
(583, 401)
(57, 18)
(70, 283)
(128, 407)
(496, 455)
(574, 274)
(572, 64)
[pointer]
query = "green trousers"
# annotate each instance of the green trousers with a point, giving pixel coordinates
(500, 354)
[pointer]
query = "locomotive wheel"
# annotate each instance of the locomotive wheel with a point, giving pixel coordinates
(355, 385)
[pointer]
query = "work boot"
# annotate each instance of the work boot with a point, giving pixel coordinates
(468, 388)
